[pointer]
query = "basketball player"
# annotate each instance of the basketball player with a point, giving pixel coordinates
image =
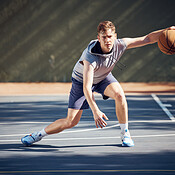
(92, 73)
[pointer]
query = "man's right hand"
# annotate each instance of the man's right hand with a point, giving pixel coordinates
(99, 121)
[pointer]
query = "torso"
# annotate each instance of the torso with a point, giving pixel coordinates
(103, 63)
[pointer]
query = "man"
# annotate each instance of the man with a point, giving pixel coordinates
(92, 73)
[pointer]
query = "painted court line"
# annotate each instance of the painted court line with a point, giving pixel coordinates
(163, 107)
(13, 122)
(97, 138)
(8, 123)
(73, 131)
(94, 129)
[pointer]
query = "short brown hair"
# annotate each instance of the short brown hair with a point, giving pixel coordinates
(104, 26)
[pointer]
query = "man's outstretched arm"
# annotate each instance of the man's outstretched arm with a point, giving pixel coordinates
(150, 38)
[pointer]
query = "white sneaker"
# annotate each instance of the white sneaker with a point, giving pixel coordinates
(126, 139)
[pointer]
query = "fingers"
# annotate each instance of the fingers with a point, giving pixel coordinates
(100, 122)
(96, 124)
(104, 116)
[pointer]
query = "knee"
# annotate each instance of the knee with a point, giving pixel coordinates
(119, 97)
(70, 123)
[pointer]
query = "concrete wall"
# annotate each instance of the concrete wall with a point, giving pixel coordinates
(41, 40)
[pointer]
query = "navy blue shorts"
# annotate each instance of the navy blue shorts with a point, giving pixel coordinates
(77, 99)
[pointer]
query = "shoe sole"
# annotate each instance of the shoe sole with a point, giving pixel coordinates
(127, 145)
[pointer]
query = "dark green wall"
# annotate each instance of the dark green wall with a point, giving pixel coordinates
(41, 40)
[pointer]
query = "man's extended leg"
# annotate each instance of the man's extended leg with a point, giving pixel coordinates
(59, 125)
(72, 119)
(115, 91)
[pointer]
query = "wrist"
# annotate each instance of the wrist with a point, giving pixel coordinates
(95, 111)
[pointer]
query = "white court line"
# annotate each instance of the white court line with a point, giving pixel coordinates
(163, 107)
(97, 138)
(65, 132)
(8, 123)
(13, 123)
(95, 129)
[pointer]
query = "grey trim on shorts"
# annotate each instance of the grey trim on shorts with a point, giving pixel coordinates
(77, 99)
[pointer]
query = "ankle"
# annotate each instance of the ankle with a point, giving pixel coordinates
(42, 133)
(124, 127)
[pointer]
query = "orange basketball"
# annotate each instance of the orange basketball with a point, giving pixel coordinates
(166, 42)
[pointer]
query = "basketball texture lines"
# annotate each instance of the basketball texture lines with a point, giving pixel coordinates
(166, 42)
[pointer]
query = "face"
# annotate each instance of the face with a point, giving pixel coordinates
(106, 40)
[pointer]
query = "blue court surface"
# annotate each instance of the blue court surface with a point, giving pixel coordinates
(85, 149)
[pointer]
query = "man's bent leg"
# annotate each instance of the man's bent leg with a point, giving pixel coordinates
(115, 91)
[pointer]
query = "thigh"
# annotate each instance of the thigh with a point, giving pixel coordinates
(102, 86)
(74, 115)
(114, 89)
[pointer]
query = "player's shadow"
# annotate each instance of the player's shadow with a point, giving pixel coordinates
(20, 147)
(84, 146)
(47, 148)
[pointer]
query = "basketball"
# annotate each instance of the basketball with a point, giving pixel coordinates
(166, 42)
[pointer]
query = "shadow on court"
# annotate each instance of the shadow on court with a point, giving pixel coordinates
(36, 160)
(35, 111)
(143, 108)
(47, 148)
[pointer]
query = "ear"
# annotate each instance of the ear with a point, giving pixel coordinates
(98, 38)
(116, 35)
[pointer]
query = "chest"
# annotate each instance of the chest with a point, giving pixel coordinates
(106, 63)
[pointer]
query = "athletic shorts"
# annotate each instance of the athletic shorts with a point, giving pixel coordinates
(77, 99)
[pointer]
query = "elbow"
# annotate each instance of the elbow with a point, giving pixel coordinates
(148, 39)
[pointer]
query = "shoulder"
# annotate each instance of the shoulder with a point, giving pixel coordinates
(92, 43)
(120, 44)
(88, 55)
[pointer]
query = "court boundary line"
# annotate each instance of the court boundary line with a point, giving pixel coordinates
(96, 129)
(163, 107)
(98, 138)
(140, 121)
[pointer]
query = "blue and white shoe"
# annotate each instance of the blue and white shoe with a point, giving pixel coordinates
(126, 139)
(28, 140)
(127, 142)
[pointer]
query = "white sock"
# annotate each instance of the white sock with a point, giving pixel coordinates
(43, 133)
(124, 127)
